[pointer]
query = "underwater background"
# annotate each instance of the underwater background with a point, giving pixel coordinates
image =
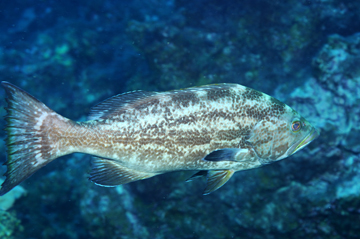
(72, 55)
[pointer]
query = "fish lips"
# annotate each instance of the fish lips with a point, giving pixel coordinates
(314, 133)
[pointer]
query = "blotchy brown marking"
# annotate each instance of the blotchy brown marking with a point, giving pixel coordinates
(193, 140)
(186, 119)
(185, 99)
(216, 94)
(251, 94)
(146, 103)
(277, 106)
(280, 150)
(228, 134)
(253, 111)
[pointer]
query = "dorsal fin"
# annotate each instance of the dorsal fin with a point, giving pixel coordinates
(114, 104)
(118, 103)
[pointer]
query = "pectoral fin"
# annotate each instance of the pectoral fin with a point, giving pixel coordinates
(227, 154)
(216, 179)
(110, 173)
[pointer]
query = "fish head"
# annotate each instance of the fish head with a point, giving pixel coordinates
(278, 137)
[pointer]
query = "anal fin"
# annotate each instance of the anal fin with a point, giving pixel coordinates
(109, 173)
(216, 179)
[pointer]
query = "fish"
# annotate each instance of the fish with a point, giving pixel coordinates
(215, 130)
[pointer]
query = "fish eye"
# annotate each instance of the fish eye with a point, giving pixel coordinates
(296, 126)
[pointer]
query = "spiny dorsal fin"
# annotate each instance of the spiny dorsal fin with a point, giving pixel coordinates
(109, 173)
(216, 179)
(116, 103)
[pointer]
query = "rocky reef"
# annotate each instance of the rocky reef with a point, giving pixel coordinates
(72, 55)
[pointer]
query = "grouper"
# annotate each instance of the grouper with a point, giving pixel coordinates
(216, 130)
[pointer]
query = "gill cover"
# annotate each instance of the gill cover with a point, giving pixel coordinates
(268, 139)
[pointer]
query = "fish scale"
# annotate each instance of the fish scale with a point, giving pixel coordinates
(215, 129)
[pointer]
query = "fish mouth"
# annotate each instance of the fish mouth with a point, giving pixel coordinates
(308, 139)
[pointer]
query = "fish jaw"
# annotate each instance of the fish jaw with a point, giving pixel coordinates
(314, 133)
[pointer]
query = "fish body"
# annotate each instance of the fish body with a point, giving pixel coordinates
(215, 129)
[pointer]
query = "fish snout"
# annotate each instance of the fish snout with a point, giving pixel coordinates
(314, 133)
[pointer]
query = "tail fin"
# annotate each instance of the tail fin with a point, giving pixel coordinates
(28, 143)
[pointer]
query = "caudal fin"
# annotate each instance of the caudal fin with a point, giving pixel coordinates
(28, 143)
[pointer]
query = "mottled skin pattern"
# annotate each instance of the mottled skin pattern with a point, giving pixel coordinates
(225, 127)
(175, 130)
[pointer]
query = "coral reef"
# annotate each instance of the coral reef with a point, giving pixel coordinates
(10, 226)
(8, 200)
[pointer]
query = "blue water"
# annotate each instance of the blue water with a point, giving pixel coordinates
(71, 55)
